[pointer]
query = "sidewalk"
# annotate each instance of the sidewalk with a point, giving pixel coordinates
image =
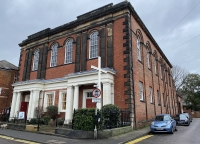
(55, 139)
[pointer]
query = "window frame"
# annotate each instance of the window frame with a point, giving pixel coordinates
(151, 94)
(68, 51)
(54, 55)
(158, 97)
(94, 45)
(148, 59)
(141, 93)
(46, 99)
(35, 60)
(139, 49)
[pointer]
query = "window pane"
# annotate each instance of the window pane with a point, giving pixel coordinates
(68, 51)
(36, 59)
(139, 49)
(94, 45)
(64, 99)
(54, 50)
(141, 90)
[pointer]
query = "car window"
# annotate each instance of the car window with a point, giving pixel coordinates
(166, 118)
(183, 116)
(159, 118)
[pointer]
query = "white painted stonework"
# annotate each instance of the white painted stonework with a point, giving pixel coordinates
(71, 83)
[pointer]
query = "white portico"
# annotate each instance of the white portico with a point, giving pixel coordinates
(75, 80)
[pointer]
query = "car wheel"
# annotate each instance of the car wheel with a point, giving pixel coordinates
(176, 129)
(172, 131)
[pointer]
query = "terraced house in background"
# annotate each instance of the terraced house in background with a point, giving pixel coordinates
(55, 67)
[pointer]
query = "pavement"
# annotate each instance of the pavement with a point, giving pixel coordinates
(47, 138)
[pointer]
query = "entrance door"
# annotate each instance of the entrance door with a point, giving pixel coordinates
(24, 106)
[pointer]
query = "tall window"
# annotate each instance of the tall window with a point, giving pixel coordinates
(139, 49)
(15, 78)
(141, 91)
(54, 51)
(148, 59)
(36, 59)
(164, 100)
(49, 99)
(155, 65)
(158, 97)
(160, 71)
(64, 100)
(68, 51)
(94, 45)
(150, 94)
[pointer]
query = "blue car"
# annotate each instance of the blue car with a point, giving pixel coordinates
(163, 123)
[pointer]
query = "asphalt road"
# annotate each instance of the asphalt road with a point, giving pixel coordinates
(184, 135)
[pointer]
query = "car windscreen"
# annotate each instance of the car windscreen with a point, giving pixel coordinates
(159, 118)
(183, 116)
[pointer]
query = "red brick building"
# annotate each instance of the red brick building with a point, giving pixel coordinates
(55, 67)
(8, 75)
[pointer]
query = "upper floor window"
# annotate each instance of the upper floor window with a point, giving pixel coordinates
(36, 59)
(150, 94)
(15, 78)
(141, 91)
(148, 59)
(160, 71)
(94, 45)
(68, 51)
(158, 97)
(155, 65)
(54, 52)
(139, 49)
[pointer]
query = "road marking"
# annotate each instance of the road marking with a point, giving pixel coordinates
(139, 139)
(18, 140)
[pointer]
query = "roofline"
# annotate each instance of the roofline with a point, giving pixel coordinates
(94, 14)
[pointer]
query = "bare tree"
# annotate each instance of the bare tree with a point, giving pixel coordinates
(38, 112)
(179, 74)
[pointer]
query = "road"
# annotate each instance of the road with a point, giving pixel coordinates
(184, 135)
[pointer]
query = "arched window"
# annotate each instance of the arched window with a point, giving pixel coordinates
(94, 45)
(36, 59)
(139, 49)
(54, 51)
(68, 51)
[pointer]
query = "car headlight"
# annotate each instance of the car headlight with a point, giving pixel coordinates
(152, 123)
(168, 122)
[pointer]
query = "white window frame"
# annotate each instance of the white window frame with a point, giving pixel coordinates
(139, 49)
(94, 45)
(54, 53)
(60, 102)
(155, 65)
(150, 94)
(46, 99)
(85, 97)
(141, 93)
(148, 59)
(35, 60)
(160, 72)
(68, 51)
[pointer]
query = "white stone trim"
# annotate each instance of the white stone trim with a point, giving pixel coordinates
(60, 101)
(46, 98)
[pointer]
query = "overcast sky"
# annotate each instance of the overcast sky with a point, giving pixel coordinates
(174, 24)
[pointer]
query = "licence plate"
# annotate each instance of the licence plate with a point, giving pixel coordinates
(159, 128)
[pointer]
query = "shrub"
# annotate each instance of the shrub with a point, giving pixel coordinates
(83, 119)
(60, 121)
(46, 119)
(33, 121)
(110, 116)
(52, 111)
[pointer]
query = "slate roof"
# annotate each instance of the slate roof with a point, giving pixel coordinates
(6, 65)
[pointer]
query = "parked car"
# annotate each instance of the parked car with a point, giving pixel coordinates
(182, 119)
(163, 123)
(188, 115)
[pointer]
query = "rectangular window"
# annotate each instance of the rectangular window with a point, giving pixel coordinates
(164, 100)
(158, 97)
(148, 59)
(160, 71)
(50, 99)
(155, 65)
(150, 95)
(139, 50)
(89, 94)
(64, 100)
(141, 91)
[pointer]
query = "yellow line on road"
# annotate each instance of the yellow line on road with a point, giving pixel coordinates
(139, 139)
(18, 140)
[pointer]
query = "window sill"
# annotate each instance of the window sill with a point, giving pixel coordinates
(142, 101)
(93, 58)
(150, 69)
(159, 104)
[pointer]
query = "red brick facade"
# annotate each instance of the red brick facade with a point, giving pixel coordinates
(120, 33)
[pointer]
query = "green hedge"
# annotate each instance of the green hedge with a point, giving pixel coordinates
(83, 119)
